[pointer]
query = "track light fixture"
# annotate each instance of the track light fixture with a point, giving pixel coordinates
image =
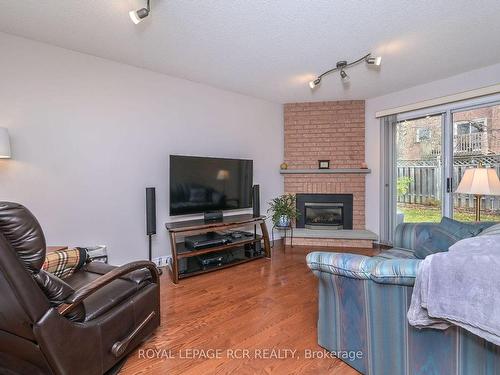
(138, 15)
(342, 65)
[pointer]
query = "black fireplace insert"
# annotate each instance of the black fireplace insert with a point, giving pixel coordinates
(324, 215)
(324, 211)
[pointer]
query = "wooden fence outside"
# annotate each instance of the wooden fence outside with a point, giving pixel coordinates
(425, 187)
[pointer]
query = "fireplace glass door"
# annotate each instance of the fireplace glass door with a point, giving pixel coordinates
(324, 215)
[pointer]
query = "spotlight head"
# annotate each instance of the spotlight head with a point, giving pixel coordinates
(374, 60)
(344, 76)
(316, 82)
(138, 15)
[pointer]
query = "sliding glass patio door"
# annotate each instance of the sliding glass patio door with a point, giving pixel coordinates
(430, 155)
(424, 155)
(419, 170)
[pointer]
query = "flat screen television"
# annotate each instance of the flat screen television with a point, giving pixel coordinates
(201, 184)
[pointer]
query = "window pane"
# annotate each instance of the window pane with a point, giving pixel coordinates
(480, 145)
(418, 165)
(463, 128)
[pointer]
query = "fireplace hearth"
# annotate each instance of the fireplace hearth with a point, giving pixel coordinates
(324, 211)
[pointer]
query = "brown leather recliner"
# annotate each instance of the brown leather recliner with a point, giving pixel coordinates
(85, 324)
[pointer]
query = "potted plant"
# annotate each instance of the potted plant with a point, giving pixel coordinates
(283, 210)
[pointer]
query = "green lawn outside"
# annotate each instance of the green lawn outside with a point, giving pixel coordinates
(420, 214)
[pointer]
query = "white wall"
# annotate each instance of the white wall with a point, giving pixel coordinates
(88, 135)
(463, 82)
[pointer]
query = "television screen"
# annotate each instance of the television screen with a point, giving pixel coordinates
(200, 184)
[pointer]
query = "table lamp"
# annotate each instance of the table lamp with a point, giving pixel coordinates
(479, 181)
(4, 144)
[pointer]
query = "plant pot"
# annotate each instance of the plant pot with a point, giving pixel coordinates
(284, 221)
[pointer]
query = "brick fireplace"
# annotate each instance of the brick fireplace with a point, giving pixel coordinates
(332, 131)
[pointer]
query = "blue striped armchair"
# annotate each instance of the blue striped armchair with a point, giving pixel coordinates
(363, 303)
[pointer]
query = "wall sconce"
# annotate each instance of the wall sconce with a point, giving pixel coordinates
(138, 15)
(5, 152)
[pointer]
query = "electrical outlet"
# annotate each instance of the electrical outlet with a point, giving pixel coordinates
(162, 261)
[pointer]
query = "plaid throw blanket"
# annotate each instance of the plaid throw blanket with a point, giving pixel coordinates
(63, 263)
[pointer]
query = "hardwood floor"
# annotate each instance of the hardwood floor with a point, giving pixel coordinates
(258, 306)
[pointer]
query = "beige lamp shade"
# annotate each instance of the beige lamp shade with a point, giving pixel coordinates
(4, 144)
(479, 181)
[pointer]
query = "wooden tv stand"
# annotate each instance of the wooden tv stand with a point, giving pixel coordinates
(183, 228)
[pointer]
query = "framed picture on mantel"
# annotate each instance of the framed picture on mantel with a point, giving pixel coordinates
(324, 164)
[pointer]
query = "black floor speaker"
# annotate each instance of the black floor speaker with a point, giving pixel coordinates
(256, 200)
(150, 211)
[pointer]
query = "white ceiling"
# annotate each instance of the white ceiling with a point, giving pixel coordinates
(272, 48)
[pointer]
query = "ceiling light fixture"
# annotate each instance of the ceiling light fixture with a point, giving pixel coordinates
(342, 65)
(138, 15)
